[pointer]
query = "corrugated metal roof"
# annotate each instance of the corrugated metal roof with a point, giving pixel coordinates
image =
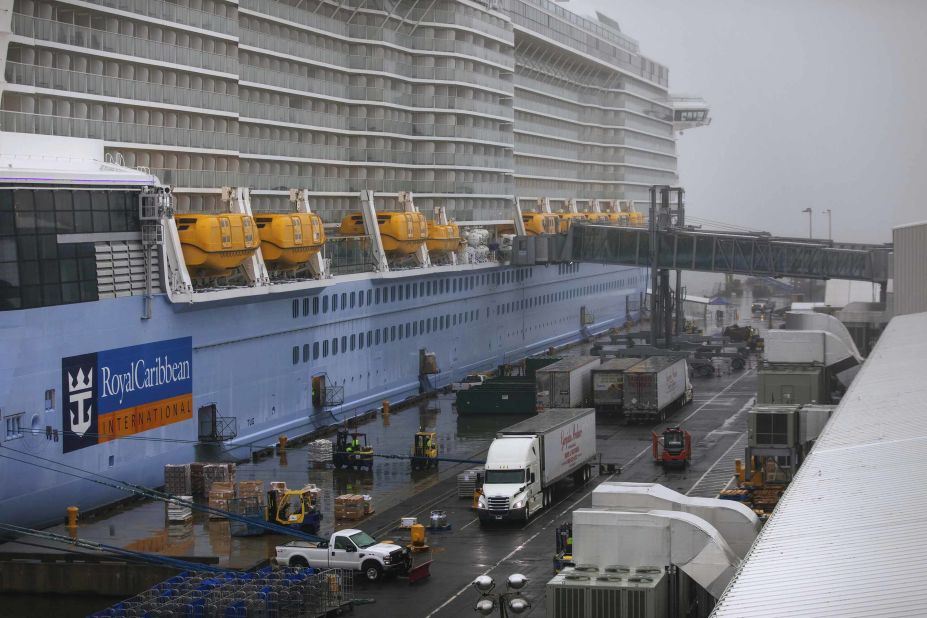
(849, 537)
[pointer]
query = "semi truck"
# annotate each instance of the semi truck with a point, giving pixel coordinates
(656, 386)
(566, 383)
(608, 384)
(527, 461)
(349, 549)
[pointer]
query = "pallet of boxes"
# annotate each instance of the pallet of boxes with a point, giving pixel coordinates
(219, 485)
(249, 501)
(177, 483)
(352, 507)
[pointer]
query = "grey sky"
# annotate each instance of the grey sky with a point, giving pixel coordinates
(815, 103)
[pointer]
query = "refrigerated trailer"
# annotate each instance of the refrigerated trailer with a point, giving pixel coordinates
(656, 386)
(566, 383)
(608, 384)
(528, 460)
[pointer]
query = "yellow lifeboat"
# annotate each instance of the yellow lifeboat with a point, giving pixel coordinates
(213, 244)
(402, 232)
(568, 218)
(443, 238)
(540, 223)
(289, 239)
(626, 218)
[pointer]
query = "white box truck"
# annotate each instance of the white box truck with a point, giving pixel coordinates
(566, 383)
(655, 386)
(529, 459)
(608, 384)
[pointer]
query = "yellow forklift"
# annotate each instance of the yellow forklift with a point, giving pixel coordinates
(352, 450)
(296, 508)
(425, 450)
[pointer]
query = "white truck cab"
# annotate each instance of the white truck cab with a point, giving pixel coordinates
(527, 460)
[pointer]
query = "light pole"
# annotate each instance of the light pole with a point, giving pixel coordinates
(827, 212)
(509, 601)
(810, 233)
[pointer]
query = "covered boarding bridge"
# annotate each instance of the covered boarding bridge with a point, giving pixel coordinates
(849, 537)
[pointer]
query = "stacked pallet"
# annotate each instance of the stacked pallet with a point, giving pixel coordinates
(221, 494)
(251, 489)
(197, 480)
(222, 473)
(177, 481)
(177, 512)
(320, 451)
(352, 507)
(466, 482)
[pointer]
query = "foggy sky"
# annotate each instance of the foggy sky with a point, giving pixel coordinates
(815, 103)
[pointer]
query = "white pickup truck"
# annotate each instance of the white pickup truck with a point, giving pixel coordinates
(346, 549)
(474, 379)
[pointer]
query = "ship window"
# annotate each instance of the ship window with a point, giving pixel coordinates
(441, 323)
(392, 333)
(344, 343)
(454, 285)
(334, 303)
(305, 352)
(400, 292)
(376, 336)
(455, 320)
(369, 338)
(325, 304)
(315, 350)
(434, 324)
(392, 293)
(325, 348)
(415, 329)
(427, 326)
(295, 354)
(305, 305)
(14, 427)
(378, 296)
(369, 296)
(334, 345)
(421, 288)
(360, 340)
(50, 399)
(344, 301)
(353, 341)
(408, 329)
(408, 290)
(385, 334)
(315, 305)
(295, 308)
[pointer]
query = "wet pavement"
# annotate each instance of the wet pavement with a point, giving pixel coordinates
(716, 419)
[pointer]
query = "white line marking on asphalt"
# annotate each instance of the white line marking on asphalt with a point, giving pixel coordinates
(717, 461)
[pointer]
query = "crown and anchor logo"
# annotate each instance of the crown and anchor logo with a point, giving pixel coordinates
(80, 389)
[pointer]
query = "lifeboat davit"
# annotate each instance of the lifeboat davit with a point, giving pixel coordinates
(289, 239)
(402, 233)
(215, 244)
(568, 218)
(443, 238)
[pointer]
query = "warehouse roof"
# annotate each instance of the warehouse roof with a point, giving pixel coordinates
(849, 537)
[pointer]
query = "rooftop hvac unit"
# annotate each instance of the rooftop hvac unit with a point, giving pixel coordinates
(621, 592)
(770, 426)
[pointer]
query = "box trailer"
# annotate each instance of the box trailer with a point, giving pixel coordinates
(527, 460)
(608, 384)
(566, 383)
(656, 386)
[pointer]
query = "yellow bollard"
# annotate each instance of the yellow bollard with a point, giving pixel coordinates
(72, 517)
(385, 406)
(281, 443)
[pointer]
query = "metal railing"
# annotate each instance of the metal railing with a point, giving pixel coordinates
(149, 135)
(102, 40)
(177, 13)
(283, 182)
(104, 85)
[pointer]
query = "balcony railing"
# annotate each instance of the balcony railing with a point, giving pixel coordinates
(147, 135)
(177, 13)
(104, 85)
(102, 40)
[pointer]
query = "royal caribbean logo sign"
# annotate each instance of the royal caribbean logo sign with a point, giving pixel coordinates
(125, 391)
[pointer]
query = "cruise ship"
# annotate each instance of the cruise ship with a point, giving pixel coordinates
(222, 221)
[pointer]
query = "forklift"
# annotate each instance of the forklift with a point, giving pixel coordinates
(352, 450)
(673, 448)
(563, 536)
(295, 508)
(425, 450)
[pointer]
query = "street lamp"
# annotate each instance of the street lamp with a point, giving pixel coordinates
(509, 601)
(827, 212)
(810, 234)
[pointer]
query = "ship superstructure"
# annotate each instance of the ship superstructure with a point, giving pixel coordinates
(296, 210)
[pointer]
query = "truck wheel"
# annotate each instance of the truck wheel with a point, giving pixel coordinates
(372, 571)
(737, 364)
(299, 562)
